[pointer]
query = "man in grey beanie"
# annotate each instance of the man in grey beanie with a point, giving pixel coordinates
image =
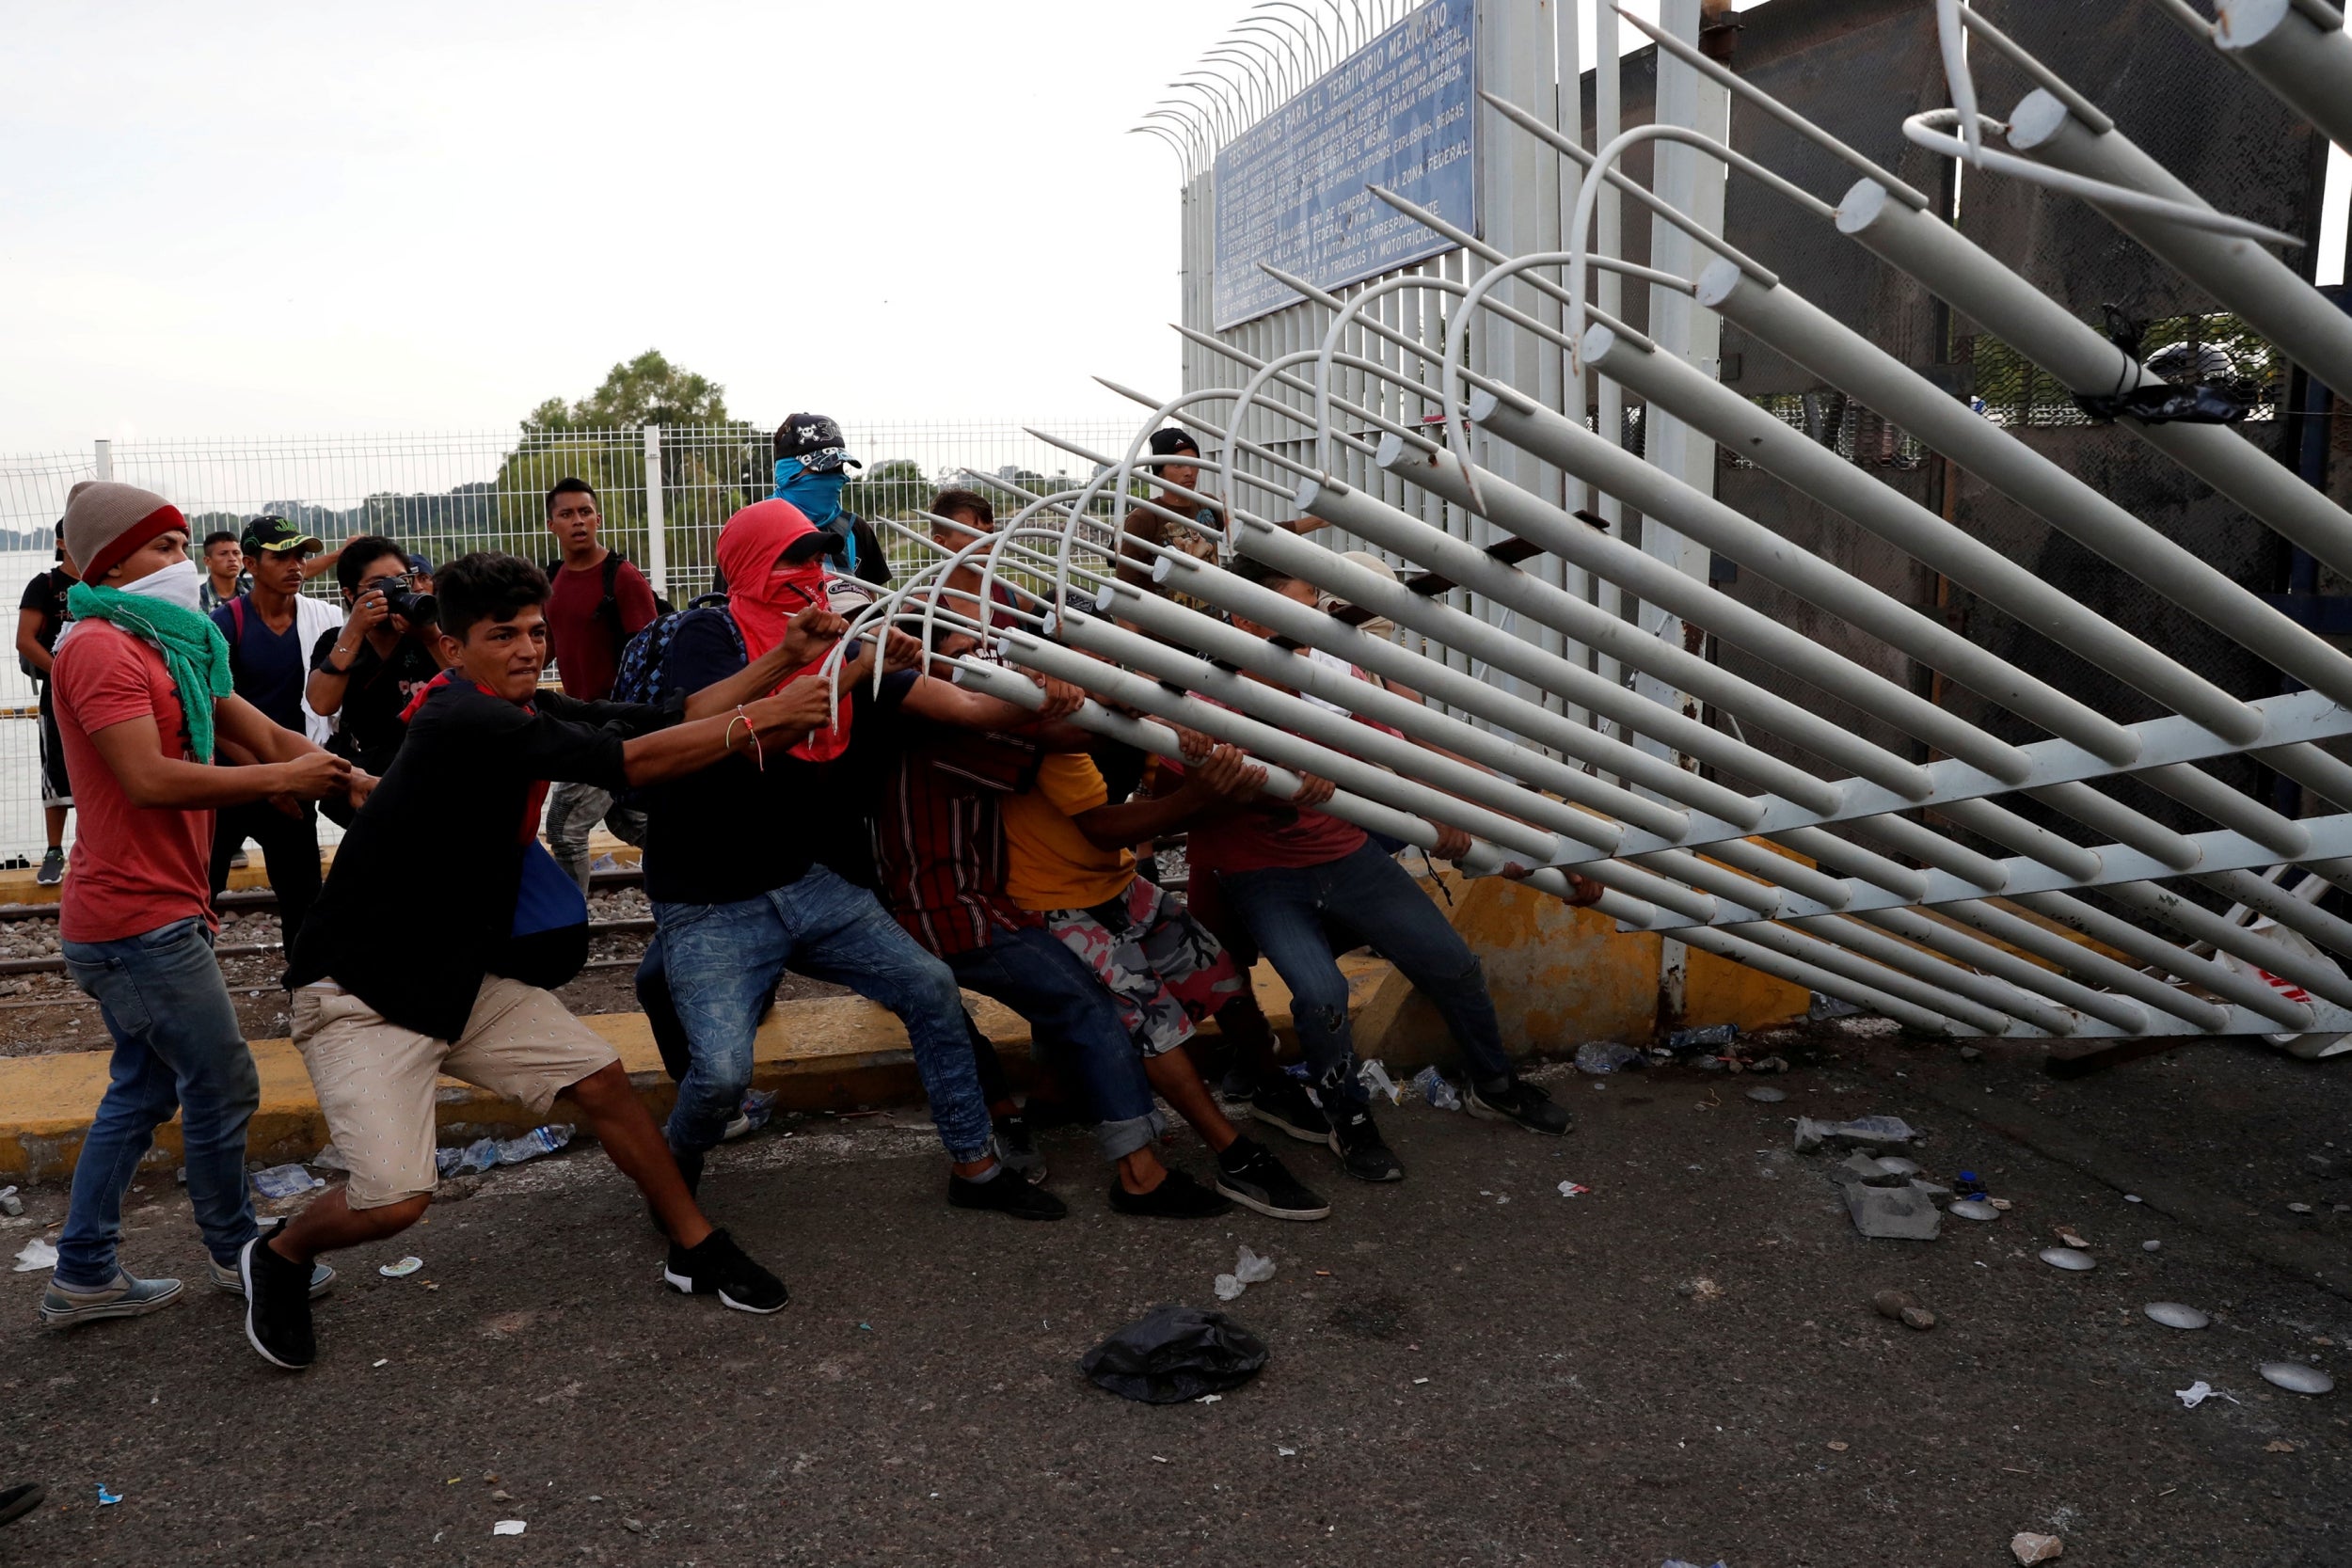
(142, 692)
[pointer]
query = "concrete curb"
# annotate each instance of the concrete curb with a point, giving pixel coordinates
(1558, 975)
(832, 1053)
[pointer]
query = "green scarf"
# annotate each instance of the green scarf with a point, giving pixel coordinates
(194, 651)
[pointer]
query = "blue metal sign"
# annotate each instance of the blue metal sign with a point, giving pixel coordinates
(1399, 113)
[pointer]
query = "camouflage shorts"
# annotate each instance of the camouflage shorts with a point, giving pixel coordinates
(1163, 969)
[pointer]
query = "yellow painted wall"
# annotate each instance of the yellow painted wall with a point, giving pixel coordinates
(1560, 977)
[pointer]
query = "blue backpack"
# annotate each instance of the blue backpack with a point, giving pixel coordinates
(642, 677)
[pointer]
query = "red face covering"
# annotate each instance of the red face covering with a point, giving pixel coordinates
(763, 595)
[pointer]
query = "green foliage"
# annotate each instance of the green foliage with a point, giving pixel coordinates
(896, 487)
(646, 390)
(711, 465)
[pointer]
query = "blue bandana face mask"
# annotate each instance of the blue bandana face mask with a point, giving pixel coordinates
(817, 496)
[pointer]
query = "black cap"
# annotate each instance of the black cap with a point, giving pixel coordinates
(275, 535)
(816, 440)
(420, 564)
(825, 541)
(1168, 442)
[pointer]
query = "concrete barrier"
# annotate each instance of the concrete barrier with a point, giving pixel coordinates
(1560, 977)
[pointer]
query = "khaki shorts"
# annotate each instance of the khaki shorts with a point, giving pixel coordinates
(376, 1081)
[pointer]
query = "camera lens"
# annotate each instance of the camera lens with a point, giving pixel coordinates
(409, 606)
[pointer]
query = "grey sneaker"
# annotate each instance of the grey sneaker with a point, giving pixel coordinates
(1017, 1151)
(227, 1278)
(126, 1297)
(51, 870)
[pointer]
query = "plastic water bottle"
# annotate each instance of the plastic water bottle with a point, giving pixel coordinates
(1433, 1088)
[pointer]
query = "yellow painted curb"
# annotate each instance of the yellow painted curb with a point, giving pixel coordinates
(1559, 977)
(832, 1053)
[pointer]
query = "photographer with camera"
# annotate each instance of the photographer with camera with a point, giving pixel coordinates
(368, 669)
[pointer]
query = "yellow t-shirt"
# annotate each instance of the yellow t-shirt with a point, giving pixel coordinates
(1053, 866)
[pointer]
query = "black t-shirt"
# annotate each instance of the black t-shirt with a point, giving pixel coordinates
(733, 831)
(369, 730)
(855, 780)
(872, 565)
(46, 593)
(421, 902)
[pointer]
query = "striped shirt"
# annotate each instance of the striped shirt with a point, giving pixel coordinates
(939, 839)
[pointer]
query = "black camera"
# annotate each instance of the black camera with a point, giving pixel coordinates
(411, 606)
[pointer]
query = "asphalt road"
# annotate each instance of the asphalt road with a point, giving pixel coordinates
(1467, 1367)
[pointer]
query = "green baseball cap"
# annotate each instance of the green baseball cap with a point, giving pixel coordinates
(278, 535)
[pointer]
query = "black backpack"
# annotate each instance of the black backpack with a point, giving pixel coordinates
(609, 607)
(642, 676)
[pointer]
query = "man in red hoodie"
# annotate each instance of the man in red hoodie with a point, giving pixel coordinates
(737, 905)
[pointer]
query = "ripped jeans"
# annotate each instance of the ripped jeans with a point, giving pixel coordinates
(1301, 916)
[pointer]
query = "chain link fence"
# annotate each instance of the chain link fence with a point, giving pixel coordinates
(442, 494)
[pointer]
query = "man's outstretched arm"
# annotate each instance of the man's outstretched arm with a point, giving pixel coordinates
(132, 750)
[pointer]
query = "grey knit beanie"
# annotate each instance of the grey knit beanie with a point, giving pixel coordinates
(105, 522)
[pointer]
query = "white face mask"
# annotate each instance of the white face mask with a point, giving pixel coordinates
(178, 583)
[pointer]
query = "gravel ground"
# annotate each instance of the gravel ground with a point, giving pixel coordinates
(41, 1013)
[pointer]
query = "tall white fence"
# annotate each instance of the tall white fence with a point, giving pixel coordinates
(444, 493)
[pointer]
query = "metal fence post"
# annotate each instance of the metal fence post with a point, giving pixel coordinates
(656, 533)
(104, 461)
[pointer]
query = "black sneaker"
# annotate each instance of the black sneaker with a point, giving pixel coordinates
(51, 870)
(1287, 1104)
(716, 1266)
(1177, 1198)
(1521, 1102)
(1249, 1173)
(1362, 1155)
(17, 1501)
(1017, 1151)
(276, 1305)
(688, 1166)
(1007, 1194)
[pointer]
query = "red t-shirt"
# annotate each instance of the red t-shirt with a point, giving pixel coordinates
(587, 654)
(1261, 836)
(1275, 833)
(135, 868)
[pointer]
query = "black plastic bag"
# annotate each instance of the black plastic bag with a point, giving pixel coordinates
(1173, 1354)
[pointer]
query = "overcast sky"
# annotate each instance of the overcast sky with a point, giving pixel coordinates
(239, 218)
(249, 218)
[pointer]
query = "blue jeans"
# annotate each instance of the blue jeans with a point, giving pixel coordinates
(1367, 900)
(723, 960)
(178, 1047)
(1068, 1009)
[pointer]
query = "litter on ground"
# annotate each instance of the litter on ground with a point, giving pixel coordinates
(285, 1181)
(1248, 1269)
